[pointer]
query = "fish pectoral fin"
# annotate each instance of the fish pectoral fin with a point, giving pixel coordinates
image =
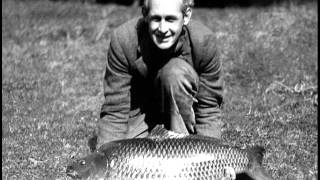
(226, 178)
(159, 132)
(229, 173)
(259, 173)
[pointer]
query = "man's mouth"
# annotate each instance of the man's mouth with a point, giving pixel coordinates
(163, 38)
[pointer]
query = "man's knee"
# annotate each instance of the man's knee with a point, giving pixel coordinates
(175, 71)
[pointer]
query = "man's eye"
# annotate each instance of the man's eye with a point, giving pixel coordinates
(171, 19)
(155, 19)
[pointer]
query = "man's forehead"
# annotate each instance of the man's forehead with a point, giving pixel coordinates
(165, 5)
(165, 2)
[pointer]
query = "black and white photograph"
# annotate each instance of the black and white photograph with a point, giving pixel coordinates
(160, 89)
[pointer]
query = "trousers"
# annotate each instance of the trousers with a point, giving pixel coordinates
(176, 86)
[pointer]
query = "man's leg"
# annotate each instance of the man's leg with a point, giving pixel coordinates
(176, 86)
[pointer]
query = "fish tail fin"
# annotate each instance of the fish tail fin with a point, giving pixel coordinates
(255, 170)
(255, 154)
(93, 142)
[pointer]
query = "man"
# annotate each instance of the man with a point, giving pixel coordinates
(162, 68)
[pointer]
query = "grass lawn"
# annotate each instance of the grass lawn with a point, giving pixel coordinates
(53, 59)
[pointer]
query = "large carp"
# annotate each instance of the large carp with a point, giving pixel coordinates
(168, 155)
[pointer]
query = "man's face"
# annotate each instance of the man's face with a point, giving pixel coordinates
(165, 21)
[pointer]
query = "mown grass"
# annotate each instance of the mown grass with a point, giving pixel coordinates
(53, 58)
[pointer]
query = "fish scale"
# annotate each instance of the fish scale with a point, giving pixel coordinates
(167, 156)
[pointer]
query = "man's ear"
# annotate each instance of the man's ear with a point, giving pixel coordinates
(187, 16)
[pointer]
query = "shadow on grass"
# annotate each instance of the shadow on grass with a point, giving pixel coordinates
(243, 176)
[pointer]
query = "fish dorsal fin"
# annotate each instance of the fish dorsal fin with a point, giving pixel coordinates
(159, 132)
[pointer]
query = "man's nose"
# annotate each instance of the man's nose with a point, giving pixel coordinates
(163, 27)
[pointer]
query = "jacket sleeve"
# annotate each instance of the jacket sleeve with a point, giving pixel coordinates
(210, 92)
(113, 123)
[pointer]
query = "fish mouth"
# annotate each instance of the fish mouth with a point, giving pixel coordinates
(73, 175)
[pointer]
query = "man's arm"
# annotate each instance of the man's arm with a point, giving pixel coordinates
(113, 123)
(210, 93)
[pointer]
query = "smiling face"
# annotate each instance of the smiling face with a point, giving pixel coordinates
(165, 21)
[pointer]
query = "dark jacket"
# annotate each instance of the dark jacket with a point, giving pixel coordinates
(132, 63)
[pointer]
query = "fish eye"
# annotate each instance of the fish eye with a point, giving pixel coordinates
(82, 162)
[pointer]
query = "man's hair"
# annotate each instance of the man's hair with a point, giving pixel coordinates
(185, 5)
